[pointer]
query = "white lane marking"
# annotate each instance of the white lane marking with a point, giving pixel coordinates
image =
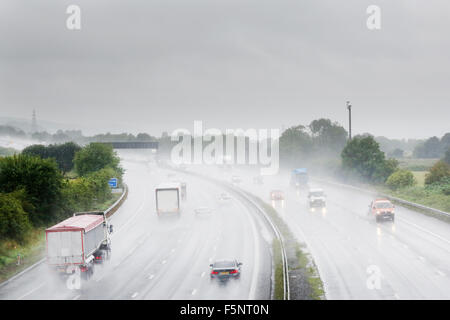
(129, 220)
(194, 292)
(134, 295)
(31, 291)
(421, 258)
(163, 262)
(203, 274)
(397, 296)
(426, 231)
(100, 278)
(173, 250)
(151, 276)
(76, 297)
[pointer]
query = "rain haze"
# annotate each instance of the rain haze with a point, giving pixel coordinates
(269, 193)
(153, 66)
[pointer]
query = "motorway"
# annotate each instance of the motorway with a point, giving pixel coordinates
(358, 258)
(167, 258)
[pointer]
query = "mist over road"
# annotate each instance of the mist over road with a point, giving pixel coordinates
(411, 256)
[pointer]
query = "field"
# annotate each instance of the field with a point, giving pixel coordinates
(420, 177)
(416, 164)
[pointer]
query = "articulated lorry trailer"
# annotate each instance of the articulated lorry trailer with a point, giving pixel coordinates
(76, 244)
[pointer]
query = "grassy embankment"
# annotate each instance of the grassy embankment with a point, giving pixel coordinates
(33, 248)
(427, 196)
(300, 263)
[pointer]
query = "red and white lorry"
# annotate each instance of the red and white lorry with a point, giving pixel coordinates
(76, 244)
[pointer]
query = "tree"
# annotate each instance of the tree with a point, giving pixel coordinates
(445, 141)
(39, 178)
(295, 144)
(438, 172)
(397, 153)
(431, 148)
(14, 222)
(328, 136)
(63, 153)
(94, 157)
(401, 179)
(447, 156)
(362, 155)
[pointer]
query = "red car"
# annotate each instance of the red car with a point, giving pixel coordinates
(382, 209)
(277, 195)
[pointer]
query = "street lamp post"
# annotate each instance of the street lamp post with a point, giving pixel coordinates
(349, 107)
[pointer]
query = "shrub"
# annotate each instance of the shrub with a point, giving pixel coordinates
(438, 172)
(39, 178)
(94, 157)
(14, 221)
(401, 179)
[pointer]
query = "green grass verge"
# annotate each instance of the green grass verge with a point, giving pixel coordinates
(279, 282)
(307, 264)
(108, 203)
(427, 197)
(30, 252)
(302, 260)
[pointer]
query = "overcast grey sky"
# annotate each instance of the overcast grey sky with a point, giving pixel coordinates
(159, 65)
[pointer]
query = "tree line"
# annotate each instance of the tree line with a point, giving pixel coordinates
(34, 191)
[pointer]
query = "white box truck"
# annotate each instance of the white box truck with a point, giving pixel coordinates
(168, 198)
(77, 243)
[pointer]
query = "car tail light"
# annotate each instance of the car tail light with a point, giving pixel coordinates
(234, 271)
(98, 258)
(83, 269)
(214, 272)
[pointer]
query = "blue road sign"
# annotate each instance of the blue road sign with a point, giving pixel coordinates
(113, 182)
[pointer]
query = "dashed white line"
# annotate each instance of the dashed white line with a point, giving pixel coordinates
(134, 295)
(203, 274)
(163, 262)
(151, 276)
(194, 292)
(426, 231)
(76, 297)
